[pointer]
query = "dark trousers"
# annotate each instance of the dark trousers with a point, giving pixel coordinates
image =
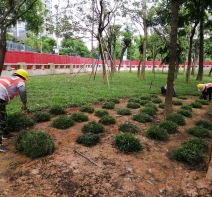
(163, 90)
(3, 119)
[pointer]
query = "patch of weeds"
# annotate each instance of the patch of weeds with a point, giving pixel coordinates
(88, 139)
(125, 142)
(145, 97)
(157, 100)
(205, 124)
(186, 107)
(62, 122)
(93, 127)
(161, 105)
(198, 131)
(177, 118)
(56, 110)
(152, 105)
(108, 105)
(182, 97)
(133, 105)
(170, 127)
(202, 101)
(79, 117)
(196, 105)
(114, 100)
(34, 144)
(143, 102)
(157, 133)
(18, 121)
(87, 108)
(101, 112)
(123, 111)
(41, 116)
(128, 128)
(149, 110)
(185, 113)
(134, 100)
(198, 143)
(177, 102)
(107, 120)
(142, 117)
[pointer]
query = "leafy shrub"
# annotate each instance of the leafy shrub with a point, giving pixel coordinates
(157, 100)
(34, 144)
(107, 120)
(93, 127)
(56, 110)
(152, 105)
(141, 117)
(198, 143)
(79, 117)
(134, 100)
(177, 118)
(133, 105)
(88, 139)
(114, 100)
(125, 142)
(198, 131)
(62, 122)
(157, 133)
(205, 124)
(149, 110)
(153, 96)
(108, 105)
(196, 105)
(185, 113)
(128, 128)
(41, 116)
(87, 108)
(170, 127)
(18, 121)
(182, 97)
(161, 105)
(143, 102)
(101, 112)
(123, 111)
(177, 102)
(202, 101)
(186, 107)
(145, 97)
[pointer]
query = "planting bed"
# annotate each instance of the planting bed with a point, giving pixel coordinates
(149, 172)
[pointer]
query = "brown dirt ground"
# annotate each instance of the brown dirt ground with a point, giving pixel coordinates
(65, 173)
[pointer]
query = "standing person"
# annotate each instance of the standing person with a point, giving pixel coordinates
(163, 89)
(206, 90)
(11, 87)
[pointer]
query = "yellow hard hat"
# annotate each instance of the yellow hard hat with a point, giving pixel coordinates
(22, 73)
(200, 87)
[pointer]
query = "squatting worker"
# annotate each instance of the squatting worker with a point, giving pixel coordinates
(206, 90)
(11, 87)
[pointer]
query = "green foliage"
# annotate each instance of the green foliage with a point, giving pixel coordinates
(198, 131)
(125, 142)
(107, 120)
(143, 102)
(198, 143)
(152, 105)
(134, 100)
(141, 117)
(87, 108)
(128, 128)
(93, 127)
(185, 113)
(182, 97)
(79, 117)
(133, 105)
(205, 124)
(196, 105)
(145, 97)
(101, 112)
(157, 100)
(34, 144)
(56, 110)
(202, 101)
(62, 122)
(169, 126)
(161, 105)
(88, 139)
(114, 100)
(177, 102)
(149, 110)
(177, 118)
(108, 105)
(41, 116)
(18, 121)
(157, 133)
(123, 111)
(186, 107)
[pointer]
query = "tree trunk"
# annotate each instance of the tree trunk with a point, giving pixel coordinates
(2, 48)
(139, 69)
(121, 58)
(130, 58)
(173, 56)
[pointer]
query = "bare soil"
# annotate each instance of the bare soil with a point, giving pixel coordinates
(65, 173)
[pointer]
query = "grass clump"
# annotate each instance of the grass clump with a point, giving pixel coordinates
(128, 128)
(157, 133)
(182, 97)
(142, 117)
(34, 144)
(107, 120)
(145, 97)
(134, 100)
(185, 113)
(123, 111)
(186, 107)
(133, 105)
(202, 101)
(149, 110)
(93, 127)
(87, 108)
(101, 112)
(161, 105)
(41, 116)
(143, 102)
(196, 105)
(56, 110)
(205, 124)
(62, 122)
(198, 131)
(79, 117)
(169, 126)
(198, 143)
(108, 105)
(157, 100)
(18, 121)
(177, 118)
(126, 142)
(88, 139)
(114, 100)
(152, 105)
(177, 102)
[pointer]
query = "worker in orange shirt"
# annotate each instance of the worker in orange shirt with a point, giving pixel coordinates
(206, 90)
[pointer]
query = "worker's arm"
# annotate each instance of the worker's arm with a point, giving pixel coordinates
(23, 95)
